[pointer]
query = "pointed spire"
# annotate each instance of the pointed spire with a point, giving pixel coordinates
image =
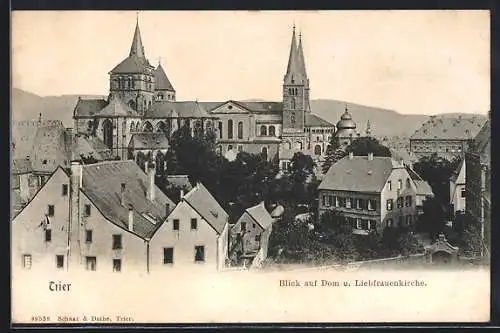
(137, 49)
(292, 59)
(300, 56)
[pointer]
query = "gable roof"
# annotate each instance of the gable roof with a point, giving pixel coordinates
(89, 107)
(260, 214)
(24, 133)
(183, 109)
(359, 174)
(262, 106)
(449, 128)
(116, 108)
(313, 120)
(102, 185)
(133, 65)
(200, 199)
(149, 140)
(161, 80)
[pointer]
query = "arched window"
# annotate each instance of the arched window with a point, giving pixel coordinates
(317, 150)
(230, 147)
(160, 97)
(272, 131)
(240, 130)
(107, 128)
(209, 126)
(198, 128)
(230, 129)
(263, 130)
(264, 153)
(160, 127)
(408, 185)
(147, 127)
(132, 82)
(293, 103)
(149, 104)
(131, 103)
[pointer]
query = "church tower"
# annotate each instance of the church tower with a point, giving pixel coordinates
(295, 90)
(133, 79)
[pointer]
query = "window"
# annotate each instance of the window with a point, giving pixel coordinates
(117, 242)
(337, 201)
(272, 131)
(365, 224)
(65, 190)
(176, 224)
(331, 200)
(408, 201)
(317, 150)
(194, 224)
(48, 235)
(264, 153)
(229, 129)
(463, 194)
(91, 263)
(243, 226)
(257, 238)
(359, 203)
(230, 147)
(389, 184)
(325, 201)
(59, 261)
(117, 265)
(293, 103)
(389, 204)
(27, 261)
(400, 184)
(253, 225)
(51, 210)
(240, 130)
(220, 129)
(168, 255)
(88, 236)
(263, 130)
(372, 204)
(408, 184)
(408, 219)
(87, 210)
(348, 203)
(399, 202)
(358, 223)
(389, 222)
(240, 148)
(199, 255)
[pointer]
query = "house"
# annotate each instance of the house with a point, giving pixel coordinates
(91, 217)
(195, 235)
(369, 192)
(457, 189)
(447, 136)
(478, 182)
(252, 230)
(424, 190)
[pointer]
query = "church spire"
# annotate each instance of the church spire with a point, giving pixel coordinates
(293, 65)
(137, 49)
(300, 56)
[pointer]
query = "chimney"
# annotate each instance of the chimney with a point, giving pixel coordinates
(130, 218)
(167, 209)
(370, 156)
(76, 173)
(182, 194)
(351, 155)
(150, 169)
(122, 194)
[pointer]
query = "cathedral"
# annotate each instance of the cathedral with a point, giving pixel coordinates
(141, 112)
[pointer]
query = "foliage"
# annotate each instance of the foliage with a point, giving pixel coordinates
(466, 234)
(433, 218)
(333, 154)
(364, 145)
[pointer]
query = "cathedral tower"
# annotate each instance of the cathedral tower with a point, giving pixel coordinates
(295, 90)
(133, 79)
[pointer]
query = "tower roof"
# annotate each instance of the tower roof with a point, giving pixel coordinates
(295, 71)
(161, 80)
(346, 121)
(137, 49)
(300, 56)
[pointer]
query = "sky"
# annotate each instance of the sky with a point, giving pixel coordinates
(422, 62)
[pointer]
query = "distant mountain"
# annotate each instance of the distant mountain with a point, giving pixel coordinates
(383, 122)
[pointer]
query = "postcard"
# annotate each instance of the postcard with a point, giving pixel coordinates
(175, 167)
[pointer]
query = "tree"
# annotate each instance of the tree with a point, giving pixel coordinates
(332, 220)
(333, 154)
(364, 145)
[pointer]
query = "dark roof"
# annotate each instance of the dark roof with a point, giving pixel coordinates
(21, 166)
(116, 108)
(264, 107)
(260, 214)
(89, 107)
(209, 106)
(449, 128)
(359, 174)
(482, 142)
(102, 184)
(149, 140)
(161, 80)
(171, 109)
(313, 120)
(205, 204)
(133, 65)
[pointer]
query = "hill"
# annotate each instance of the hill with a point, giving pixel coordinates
(384, 122)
